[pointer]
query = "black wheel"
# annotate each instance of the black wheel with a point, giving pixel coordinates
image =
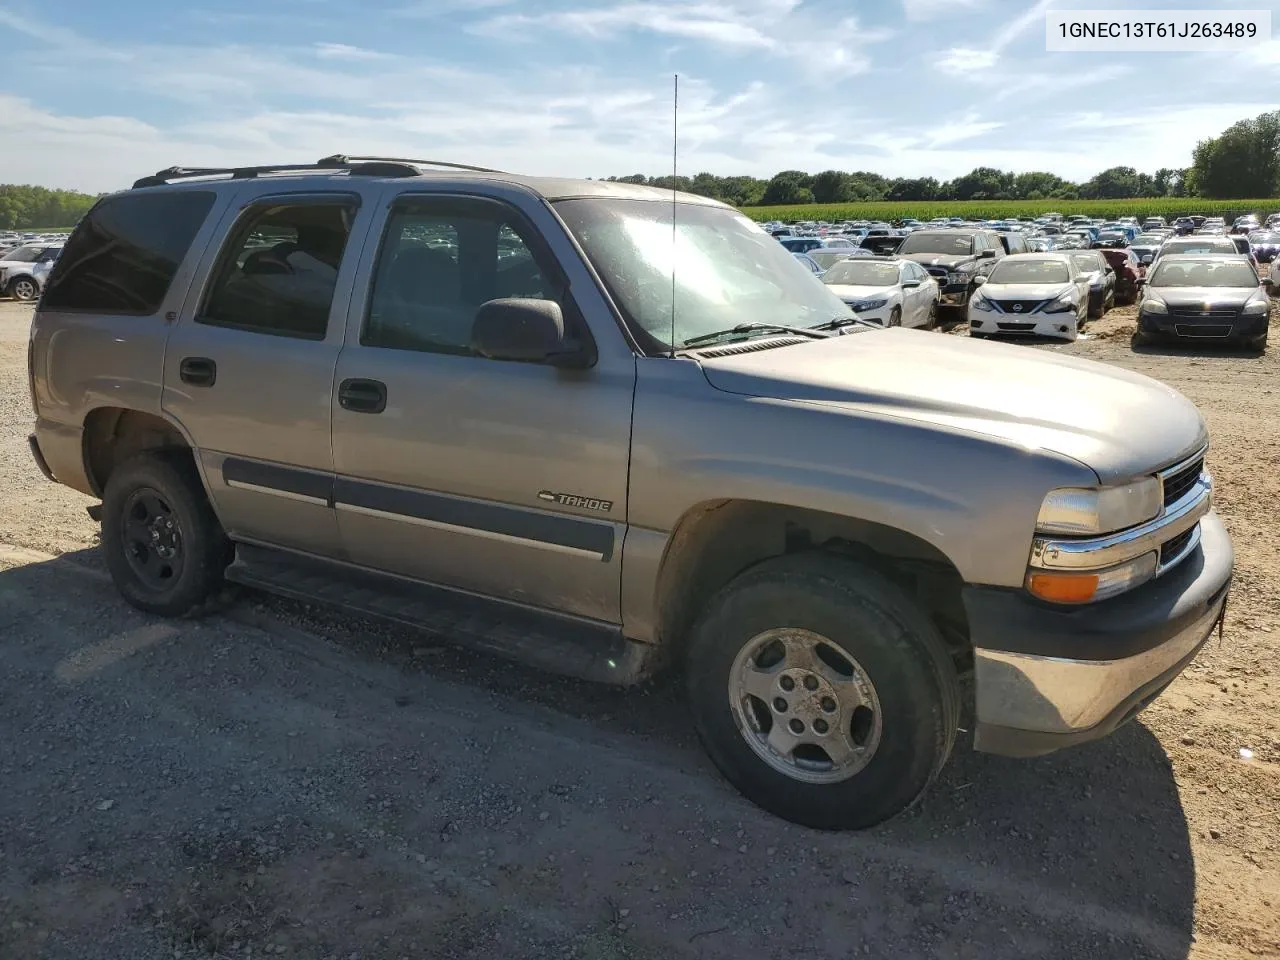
(163, 544)
(895, 317)
(1109, 303)
(23, 288)
(822, 692)
(931, 319)
(1141, 339)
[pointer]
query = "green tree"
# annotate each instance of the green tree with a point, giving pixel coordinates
(916, 188)
(832, 186)
(982, 183)
(789, 186)
(1244, 161)
(1039, 183)
(1114, 183)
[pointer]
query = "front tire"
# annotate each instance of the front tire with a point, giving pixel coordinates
(24, 289)
(931, 319)
(895, 317)
(822, 692)
(164, 547)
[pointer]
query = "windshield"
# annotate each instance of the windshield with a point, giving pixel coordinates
(1087, 262)
(728, 271)
(25, 254)
(1204, 273)
(949, 243)
(1198, 246)
(861, 273)
(1030, 271)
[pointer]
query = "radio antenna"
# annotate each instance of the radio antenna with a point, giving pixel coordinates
(675, 156)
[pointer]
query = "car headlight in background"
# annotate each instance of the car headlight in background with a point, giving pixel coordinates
(1152, 305)
(1257, 308)
(860, 305)
(1088, 511)
(979, 302)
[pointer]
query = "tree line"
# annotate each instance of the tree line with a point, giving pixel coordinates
(1243, 162)
(23, 207)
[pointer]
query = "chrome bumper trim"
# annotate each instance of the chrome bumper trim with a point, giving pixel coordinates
(1054, 695)
(1099, 552)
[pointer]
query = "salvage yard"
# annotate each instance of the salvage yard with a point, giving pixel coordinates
(278, 780)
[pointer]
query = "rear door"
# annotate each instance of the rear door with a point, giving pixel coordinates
(505, 479)
(248, 370)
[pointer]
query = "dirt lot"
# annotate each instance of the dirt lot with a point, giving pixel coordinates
(278, 780)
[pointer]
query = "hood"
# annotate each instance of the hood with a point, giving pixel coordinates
(1119, 423)
(938, 259)
(858, 291)
(1024, 291)
(1199, 296)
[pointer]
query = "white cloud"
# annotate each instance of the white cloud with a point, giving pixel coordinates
(942, 11)
(817, 43)
(343, 51)
(962, 60)
(967, 60)
(955, 131)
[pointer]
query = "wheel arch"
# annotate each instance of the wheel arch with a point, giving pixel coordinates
(715, 541)
(112, 435)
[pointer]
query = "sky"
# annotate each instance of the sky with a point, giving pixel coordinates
(97, 94)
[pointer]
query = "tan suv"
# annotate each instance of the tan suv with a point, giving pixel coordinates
(483, 403)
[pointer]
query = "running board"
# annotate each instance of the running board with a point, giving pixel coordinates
(575, 646)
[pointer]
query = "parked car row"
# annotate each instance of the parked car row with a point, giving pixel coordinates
(23, 269)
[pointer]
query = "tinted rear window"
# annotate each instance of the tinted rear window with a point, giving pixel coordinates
(124, 254)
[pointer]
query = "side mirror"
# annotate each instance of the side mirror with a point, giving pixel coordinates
(979, 281)
(987, 254)
(1141, 281)
(1147, 259)
(910, 284)
(526, 330)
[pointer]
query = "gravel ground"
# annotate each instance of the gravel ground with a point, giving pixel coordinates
(277, 780)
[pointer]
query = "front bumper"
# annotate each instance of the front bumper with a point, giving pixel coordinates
(992, 323)
(1049, 677)
(1202, 328)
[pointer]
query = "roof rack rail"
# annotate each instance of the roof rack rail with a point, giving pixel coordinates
(337, 157)
(377, 167)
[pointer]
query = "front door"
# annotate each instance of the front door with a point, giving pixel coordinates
(249, 366)
(506, 479)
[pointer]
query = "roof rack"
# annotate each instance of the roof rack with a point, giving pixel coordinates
(416, 163)
(353, 166)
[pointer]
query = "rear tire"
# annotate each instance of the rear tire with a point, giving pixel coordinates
(164, 547)
(878, 690)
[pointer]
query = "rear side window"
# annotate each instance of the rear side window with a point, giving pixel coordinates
(123, 256)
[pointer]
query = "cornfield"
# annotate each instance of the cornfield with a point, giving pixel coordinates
(1167, 207)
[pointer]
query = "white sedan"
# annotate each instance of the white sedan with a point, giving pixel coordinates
(1030, 295)
(892, 293)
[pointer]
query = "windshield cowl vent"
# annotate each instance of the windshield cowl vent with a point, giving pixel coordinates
(764, 343)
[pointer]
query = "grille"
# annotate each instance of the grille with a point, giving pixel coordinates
(937, 272)
(1202, 329)
(1201, 314)
(1171, 549)
(1177, 485)
(751, 347)
(1015, 327)
(1018, 306)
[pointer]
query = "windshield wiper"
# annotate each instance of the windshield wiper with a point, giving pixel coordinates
(748, 328)
(837, 322)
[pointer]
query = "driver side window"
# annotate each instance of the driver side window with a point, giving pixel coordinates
(437, 265)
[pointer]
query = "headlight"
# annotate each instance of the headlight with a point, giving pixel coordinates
(868, 304)
(1092, 585)
(1090, 511)
(979, 302)
(1063, 304)
(1151, 305)
(1255, 308)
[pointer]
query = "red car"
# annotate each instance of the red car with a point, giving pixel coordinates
(1128, 270)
